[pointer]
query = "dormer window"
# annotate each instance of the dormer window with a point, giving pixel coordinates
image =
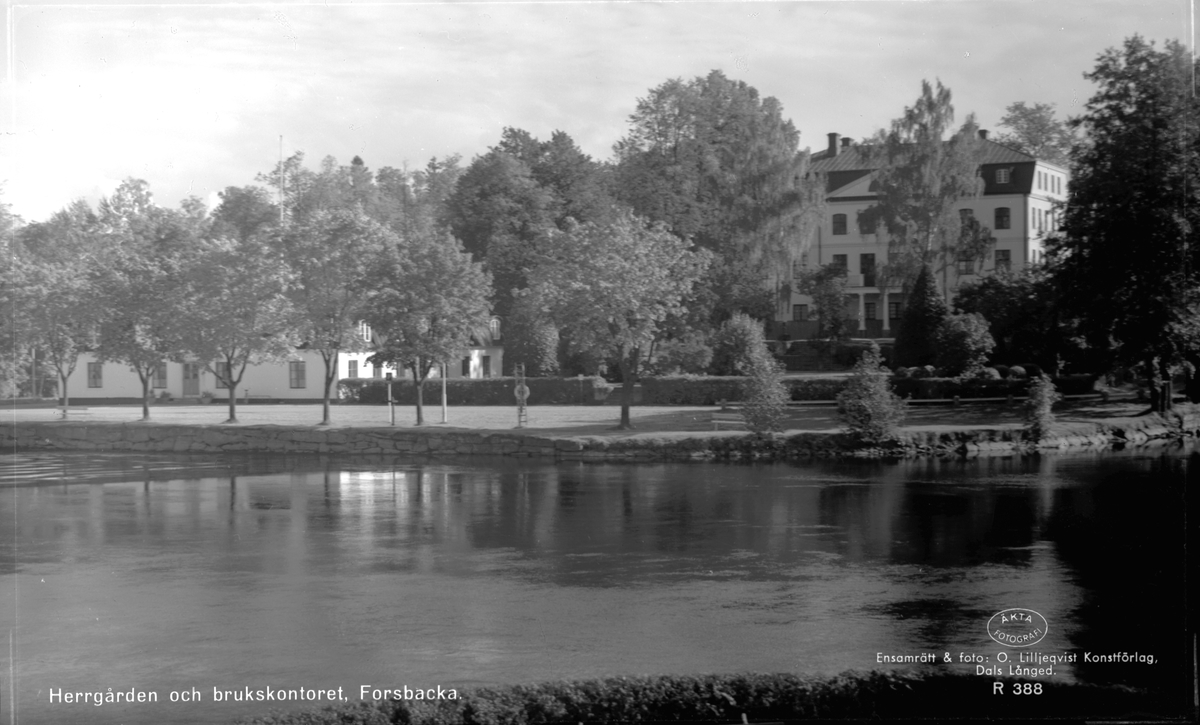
(1003, 176)
(494, 328)
(364, 331)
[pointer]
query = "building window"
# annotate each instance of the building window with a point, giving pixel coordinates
(1003, 218)
(466, 367)
(965, 215)
(893, 310)
(869, 310)
(1003, 176)
(377, 371)
(839, 224)
(95, 375)
(494, 328)
(799, 313)
(364, 331)
(487, 366)
(296, 374)
(222, 372)
(839, 260)
(352, 371)
(866, 265)
(966, 263)
(798, 266)
(1003, 260)
(160, 376)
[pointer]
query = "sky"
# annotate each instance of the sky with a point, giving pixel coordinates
(194, 97)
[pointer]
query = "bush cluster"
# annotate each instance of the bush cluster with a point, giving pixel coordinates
(766, 396)
(476, 391)
(724, 699)
(867, 406)
(1039, 408)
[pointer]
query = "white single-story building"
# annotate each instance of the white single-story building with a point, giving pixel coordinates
(299, 379)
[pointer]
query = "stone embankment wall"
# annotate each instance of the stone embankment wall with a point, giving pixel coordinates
(67, 435)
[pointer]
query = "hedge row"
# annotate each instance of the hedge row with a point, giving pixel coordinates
(477, 391)
(726, 698)
(675, 390)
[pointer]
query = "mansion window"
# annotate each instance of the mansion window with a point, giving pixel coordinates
(160, 376)
(486, 366)
(893, 310)
(364, 331)
(377, 371)
(494, 328)
(1003, 218)
(353, 371)
(296, 374)
(1003, 176)
(1003, 260)
(839, 260)
(95, 375)
(466, 367)
(799, 313)
(965, 215)
(839, 224)
(966, 263)
(222, 370)
(869, 310)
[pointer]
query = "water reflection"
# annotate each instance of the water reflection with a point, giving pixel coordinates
(169, 572)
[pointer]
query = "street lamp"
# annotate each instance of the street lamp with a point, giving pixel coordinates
(391, 403)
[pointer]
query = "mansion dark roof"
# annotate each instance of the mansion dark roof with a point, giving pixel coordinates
(851, 164)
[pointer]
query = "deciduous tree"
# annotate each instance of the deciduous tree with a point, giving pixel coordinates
(1034, 130)
(610, 285)
(426, 301)
(239, 313)
(1128, 260)
(921, 175)
(330, 255)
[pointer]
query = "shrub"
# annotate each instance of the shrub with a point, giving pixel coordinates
(989, 374)
(688, 355)
(1032, 370)
(735, 345)
(691, 389)
(1016, 371)
(919, 323)
(1002, 369)
(815, 388)
(766, 396)
(1039, 413)
(963, 344)
(868, 406)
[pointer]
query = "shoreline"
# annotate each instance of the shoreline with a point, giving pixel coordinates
(943, 440)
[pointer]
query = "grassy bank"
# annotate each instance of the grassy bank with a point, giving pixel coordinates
(757, 698)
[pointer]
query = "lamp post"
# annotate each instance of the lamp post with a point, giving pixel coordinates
(391, 403)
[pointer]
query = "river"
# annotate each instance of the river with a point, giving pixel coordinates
(186, 576)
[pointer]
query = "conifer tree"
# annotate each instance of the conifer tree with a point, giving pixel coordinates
(924, 312)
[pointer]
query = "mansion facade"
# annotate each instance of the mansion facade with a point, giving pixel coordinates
(1018, 201)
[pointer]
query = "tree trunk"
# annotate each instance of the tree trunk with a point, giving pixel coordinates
(330, 374)
(420, 399)
(1167, 387)
(145, 394)
(66, 397)
(628, 367)
(232, 402)
(1152, 383)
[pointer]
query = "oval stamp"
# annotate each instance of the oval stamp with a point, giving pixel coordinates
(1017, 627)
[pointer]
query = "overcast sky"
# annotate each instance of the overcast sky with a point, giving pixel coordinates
(194, 97)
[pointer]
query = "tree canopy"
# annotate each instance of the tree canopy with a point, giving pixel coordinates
(611, 285)
(1127, 259)
(1034, 130)
(921, 175)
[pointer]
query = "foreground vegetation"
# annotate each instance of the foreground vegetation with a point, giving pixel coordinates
(729, 698)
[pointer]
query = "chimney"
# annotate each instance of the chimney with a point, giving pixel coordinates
(846, 142)
(833, 144)
(983, 134)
